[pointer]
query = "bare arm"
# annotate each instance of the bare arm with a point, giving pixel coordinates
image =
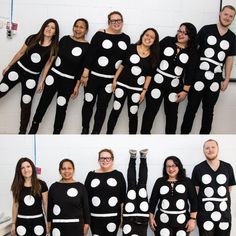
(228, 69)
(76, 89)
(183, 94)
(119, 70)
(14, 215)
(84, 77)
(45, 207)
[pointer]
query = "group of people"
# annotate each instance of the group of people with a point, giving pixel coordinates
(187, 64)
(104, 204)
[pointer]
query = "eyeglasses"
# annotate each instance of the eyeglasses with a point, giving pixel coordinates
(105, 159)
(182, 32)
(171, 166)
(118, 21)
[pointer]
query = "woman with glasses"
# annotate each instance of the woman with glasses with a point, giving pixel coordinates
(106, 192)
(173, 201)
(106, 52)
(173, 77)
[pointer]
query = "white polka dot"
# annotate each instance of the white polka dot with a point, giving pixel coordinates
(129, 207)
(224, 44)
(178, 70)
(184, 58)
(181, 218)
(181, 233)
(209, 52)
(119, 92)
(206, 179)
(172, 97)
(165, 204)
(136, 70)
(209, 206)
(29, 200)
(158, 78)
(164, 190)
(180, 188)
(175, 82)
(218, 69)
(3, 87)
(118, 64)
(168, 51)
(35, 58)
(164, 65)
(224, 225)
(131, 194)
(49, 80)
(209, 75)
(164, 218)
(209, 191)
(223, 206)
(112, 182)
(26, 99)
(38, 230)
(180, 204)
(141, 80)
(96, 201)
(216, 215)
(221, 179)
(198, 86)
(135, 97)
(30, 83)
(111, 227)
(142, 193)
(95, 183)
(72, 192)
(108, 88)
(107, 44)
(13, 76)
(58, 62)
(122, 45)
(56, 210)
(103, 61)
(77, 51)
(156, 93)
(61, 101)
(143, 206)
(88, 97)
(211, 40)
(133, 109)
(221, 191)
(208, 225)
(165, 232)
(214, 87)
(204, 66)
(56, 232)
(221, 56)
(112, 201)
(21, 230)
(116, 105)
(134, 59)
(126, 229)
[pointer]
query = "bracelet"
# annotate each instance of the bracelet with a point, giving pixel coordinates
(84, 76)
(145, 89)
(184, 90)
(192, 218)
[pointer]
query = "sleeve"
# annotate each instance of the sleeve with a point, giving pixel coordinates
(28, 39)
(192, 196)
(195, 177)
(87, 182)
(86, 212)
(43, 186)
(50, 204)
(231, 176)
(122, 188)
(233, 46)
(154, 197)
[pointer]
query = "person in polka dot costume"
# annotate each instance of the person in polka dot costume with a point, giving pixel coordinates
(213, 179)
(173, 201)
(64, 76)
(30, 197)
(37, 54)
(106, 192)
(106, 52)
(135, 212)
(68, 209)
(216, 49)
(172, 78)
(133, 78)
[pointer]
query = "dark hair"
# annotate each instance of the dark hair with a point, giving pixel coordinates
(85, 22)
(154, 48)
(113, 13)
(18, 181)
(192, 34)
(228, 6)
(106, 150)
(65, 160)
(39, 37)
(181, 174)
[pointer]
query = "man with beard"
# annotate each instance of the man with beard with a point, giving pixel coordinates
(217, 46)
(213, 180)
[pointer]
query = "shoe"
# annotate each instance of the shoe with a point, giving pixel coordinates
(132, 153)
(143, 153)
(85, 131)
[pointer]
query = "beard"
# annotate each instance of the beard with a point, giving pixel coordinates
(223, 23)
(211, 158)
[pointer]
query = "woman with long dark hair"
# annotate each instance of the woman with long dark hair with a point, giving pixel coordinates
(30, 196)
(173, 202)
(35, 56)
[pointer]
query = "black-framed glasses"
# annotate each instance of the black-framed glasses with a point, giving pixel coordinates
(182, 32)
(114, 21)
(105, 159)
(171, 166)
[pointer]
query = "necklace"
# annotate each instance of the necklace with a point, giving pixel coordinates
(143, 51)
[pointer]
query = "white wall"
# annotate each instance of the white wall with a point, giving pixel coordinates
(49, 150)
(164, 15)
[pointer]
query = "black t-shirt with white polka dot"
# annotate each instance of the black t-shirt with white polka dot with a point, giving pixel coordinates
(31, 205)
(71, 56)
(36, 57)
(107, 52)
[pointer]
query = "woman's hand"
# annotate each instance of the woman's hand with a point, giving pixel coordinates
(152, 222)
(181, 96)
(13, 229)
(190, 226)
(86, 229)
(142, 96)
(84, 80)
(75, 92)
